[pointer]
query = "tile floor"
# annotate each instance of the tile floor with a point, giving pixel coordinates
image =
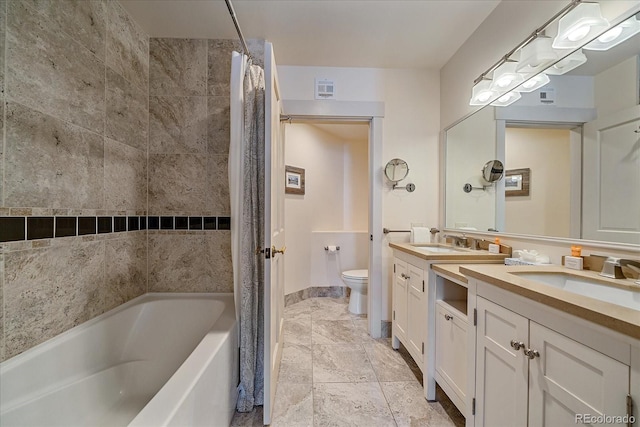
(334, 374)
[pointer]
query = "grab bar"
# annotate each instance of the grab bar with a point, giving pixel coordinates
(387, 231)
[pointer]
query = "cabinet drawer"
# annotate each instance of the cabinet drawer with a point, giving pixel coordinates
(451, 352)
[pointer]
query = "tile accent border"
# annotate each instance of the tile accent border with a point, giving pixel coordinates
(21, 228)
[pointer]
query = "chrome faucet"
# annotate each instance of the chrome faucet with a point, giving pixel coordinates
(612, 268)
(461, 241)
(633, 265)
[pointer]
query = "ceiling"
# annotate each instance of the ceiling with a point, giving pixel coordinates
(336, 33)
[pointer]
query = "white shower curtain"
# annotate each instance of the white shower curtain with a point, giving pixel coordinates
(246, 184)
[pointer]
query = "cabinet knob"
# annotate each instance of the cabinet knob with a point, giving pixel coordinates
(448, 317)
(531, 354)
(404, 276)
(517, 345)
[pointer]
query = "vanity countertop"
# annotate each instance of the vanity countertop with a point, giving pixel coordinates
(613, 316)
(451, 271)
(458, 254)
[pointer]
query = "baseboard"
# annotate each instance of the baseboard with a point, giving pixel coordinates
(316, 292)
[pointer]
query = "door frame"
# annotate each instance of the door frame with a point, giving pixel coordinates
(373, 113)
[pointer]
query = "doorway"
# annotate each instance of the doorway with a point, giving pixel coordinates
(356, 113)
(327, 217)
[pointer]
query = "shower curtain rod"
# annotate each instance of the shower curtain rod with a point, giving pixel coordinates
(238, 30)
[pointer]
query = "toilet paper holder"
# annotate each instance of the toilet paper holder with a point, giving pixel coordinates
(326, 248)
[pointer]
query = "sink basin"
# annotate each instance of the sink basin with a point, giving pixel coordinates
(587, 287)
(438, 249)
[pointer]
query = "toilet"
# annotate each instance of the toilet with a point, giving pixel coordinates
(357, 281)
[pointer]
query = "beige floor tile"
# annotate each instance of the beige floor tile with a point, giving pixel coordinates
(350, 404)
(387, 363)
(337, 332)
(341, 363)
(410, 408)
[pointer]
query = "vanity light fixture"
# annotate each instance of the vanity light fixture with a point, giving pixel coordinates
(567, 64)
(535, 82)
(577, 26)
(505, 77)
(482, 93)
(536, 55)
(485, 90)
(616, 35)
(507, 99)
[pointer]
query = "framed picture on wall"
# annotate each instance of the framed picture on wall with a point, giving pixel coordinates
(516, 182)
(293, 180)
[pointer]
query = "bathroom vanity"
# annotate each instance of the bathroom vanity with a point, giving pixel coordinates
(543, 346)
(413, 316)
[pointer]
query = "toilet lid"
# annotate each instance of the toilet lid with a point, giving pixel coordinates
(356, 274)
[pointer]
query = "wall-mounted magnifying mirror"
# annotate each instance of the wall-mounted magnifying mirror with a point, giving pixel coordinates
(396, 170)
(493, 171)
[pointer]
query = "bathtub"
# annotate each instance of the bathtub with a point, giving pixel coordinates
(158, 360)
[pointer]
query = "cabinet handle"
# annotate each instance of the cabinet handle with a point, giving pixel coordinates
(517, 345)
(531, 354)
(404, 276)
(448, 317)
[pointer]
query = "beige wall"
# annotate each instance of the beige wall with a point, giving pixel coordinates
(546, 210)
(410, 131)
(334, 206)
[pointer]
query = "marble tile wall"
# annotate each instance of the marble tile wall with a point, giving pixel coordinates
(74, 118)
(188, 153)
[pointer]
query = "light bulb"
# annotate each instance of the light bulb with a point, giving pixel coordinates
(504, 98)
(504, 81)
(530, 83)
(484, 96)
(579, 33)
(610, 35)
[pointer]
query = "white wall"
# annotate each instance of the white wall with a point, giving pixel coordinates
(617, 87)
(335, 169)
(410, 131)
(546, 210)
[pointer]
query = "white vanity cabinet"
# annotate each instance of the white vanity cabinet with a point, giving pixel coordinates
(451, 351)
(409, 308)
(530, 374)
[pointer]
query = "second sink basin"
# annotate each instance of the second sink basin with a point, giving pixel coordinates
(590, 288)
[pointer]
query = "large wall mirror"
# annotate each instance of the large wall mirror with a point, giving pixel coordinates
(571, 152)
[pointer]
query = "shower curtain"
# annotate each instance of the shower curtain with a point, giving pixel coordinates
(246, 184)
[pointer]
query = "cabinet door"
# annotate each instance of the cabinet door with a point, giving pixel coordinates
(451, 353)
(501, 370)
(569, 378)
(400, 284)
(417, 308)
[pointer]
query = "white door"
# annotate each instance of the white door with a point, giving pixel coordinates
(568, 378)
(611, 162)
(274, 242)
(501, 370)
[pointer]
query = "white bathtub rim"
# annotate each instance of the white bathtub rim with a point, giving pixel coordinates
(44, 346)
(157, 412)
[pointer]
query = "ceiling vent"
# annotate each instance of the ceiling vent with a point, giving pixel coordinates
(325, 89)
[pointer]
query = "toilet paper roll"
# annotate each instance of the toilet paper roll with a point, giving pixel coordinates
(332, 249)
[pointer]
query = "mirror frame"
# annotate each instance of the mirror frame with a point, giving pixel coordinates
(395, 163)
(528, 237)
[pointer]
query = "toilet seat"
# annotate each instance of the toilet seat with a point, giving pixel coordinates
(361, 275)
